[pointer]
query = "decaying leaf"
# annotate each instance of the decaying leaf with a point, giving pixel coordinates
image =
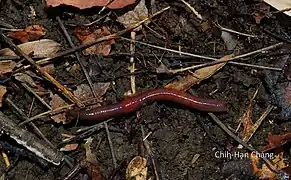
(40, 48)
(86, 35)
(41, 91)
(69, 147)
(6, 66)
(91, 160)
(163, 69)
(276, 141)
(137, 169)
(247, 120)
(262, 171)
(139, 13)
(55, 103)
(49, 68)
(196, 77)
(31, 33)
(262, 10)
(229, 40)
(83, 91)
(2, 93)
(83, 4)
(24, 78)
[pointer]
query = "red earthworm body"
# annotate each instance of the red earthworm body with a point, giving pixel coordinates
(135, 102)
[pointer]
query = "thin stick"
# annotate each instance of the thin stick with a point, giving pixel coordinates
(30, 141)
(192, 9)
(99, 40)
(23, 116)
(89, 82)
(170, 50)
(209, 58)
(248, 147)
(105, 6)
(132, 64)
(36, 95)
(258, 123)
(46, 113)
(77, 56)
(114, 161)
(233, 31)
(46, 75)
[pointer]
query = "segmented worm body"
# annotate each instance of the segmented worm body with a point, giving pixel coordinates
(135, 102)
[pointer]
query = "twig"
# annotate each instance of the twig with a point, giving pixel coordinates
(210, 58)
(235, 32)
(248, 147)
(258, 66)
(29, 141)
(77, 56)
(251, 104)
(258, 123)
(170, 50)
(105, 6)
(57, 110)
(36, 95)
(192, 9)
(150, 153)
(114, 161)
(52, 112)
(46, 75)
(88, 80)
(4, 24)
(99, 40)
(97, 20)
(132, 64)
(23, 116)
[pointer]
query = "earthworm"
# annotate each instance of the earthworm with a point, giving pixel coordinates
(135, 102)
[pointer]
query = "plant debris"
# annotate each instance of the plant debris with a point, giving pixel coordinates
(39, 49)
(65, 57)
(31, 33)
(86, 35)
(116, 4)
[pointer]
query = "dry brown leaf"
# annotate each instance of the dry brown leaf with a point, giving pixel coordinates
(262, 10)
(137, 169)
(49, 68)
(139, 13)
(41, 91)
(55, 103)
(198, 76)
(2, 93)
(276, 141)
(69, 147)
(247, 121)
(83, 91)
(24, 78)
(31, 33)
(40, 48)
(262, 171)
(83, 4)
(86, 35)
(6, 66)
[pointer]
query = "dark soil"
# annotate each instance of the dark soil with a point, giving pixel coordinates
(177, 132)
